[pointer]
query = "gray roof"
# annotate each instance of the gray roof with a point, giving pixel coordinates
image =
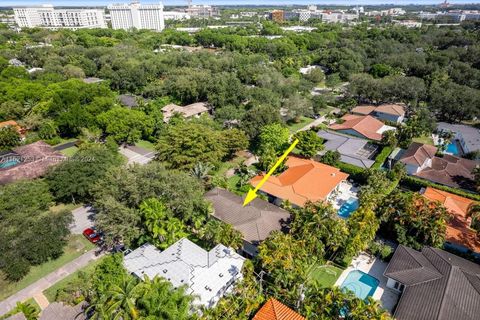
(347, 146)
(57, 310)
(438, 285)
(470, 135)
(128, 100)
(206, 274)
(255, 221)
(17, 316)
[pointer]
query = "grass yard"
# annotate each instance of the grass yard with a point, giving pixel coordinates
(225, 166)
(145, 145)
(75, 247)
(294, 127)
(69, 152)
(51, 292)
(424, 139)
(325, 276)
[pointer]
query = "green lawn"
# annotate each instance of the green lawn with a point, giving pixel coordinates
(424, 139)
(325, 276)
(145, 145)
(75, 247)
(51, 292)
(225, 166)
(69, 152)
(294, 127)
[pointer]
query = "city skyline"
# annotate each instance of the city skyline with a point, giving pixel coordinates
(8, 3)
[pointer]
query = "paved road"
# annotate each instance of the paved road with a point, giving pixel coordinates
(83, 218)
(135, 157)
(47, 281)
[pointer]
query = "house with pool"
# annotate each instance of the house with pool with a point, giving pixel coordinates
(465, 139)
(459, 235)
(421, 161)
(308, 180)
(27, 162)
(433, 284)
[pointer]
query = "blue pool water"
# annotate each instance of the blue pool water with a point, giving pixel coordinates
(452, 148)
(348, 207)
(360, 283)
(9, 163)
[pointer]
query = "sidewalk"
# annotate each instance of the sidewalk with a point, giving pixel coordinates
(47, 281)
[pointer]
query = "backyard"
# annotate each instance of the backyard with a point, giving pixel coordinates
(324, 275)
(426, 139)
(294, 127)
(145, 145)
(76, 246)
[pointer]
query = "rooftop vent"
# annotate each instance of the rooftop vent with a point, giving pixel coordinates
(165, 270)
(220, 275)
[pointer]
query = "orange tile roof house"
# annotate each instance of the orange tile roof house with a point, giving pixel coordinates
(458, 229)
(304, 180)
(275, 310)
(12, 123)
(386, 112)
(362, 126)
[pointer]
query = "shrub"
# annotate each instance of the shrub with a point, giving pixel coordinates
(356, 173)
(382, 156)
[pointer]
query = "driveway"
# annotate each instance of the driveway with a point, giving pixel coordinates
(137, 155)
(46, 282)
(83, 218)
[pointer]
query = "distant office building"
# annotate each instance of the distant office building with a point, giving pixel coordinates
(202, 11)
(326, 16)
(47, 16)
(291, 15)
(137, 16)
(452, 15)
(277, 15)
(175, 15)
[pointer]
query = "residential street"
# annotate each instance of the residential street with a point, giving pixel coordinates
(137, 155)
(47, 281)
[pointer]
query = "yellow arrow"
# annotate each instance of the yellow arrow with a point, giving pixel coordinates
(252, 194)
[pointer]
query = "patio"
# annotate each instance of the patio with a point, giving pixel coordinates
(375, 268)
(345, 192)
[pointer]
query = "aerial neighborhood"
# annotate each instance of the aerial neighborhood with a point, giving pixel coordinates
(240, 162)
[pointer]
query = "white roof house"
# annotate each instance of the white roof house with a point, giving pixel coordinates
(188, 111)
(208, 275)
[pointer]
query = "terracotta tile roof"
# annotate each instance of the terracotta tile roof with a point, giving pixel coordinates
(275, 310)
(417, 153)
(363, 110)
(393, 109)
(458, 229)
(187, 111)
(303, 180)
(367, 126)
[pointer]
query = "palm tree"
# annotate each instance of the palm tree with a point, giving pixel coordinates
(473, 212)
(121, 299)
(28, 310)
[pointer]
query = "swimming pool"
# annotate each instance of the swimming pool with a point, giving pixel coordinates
(348, 207)
(452, 148)
(9, 163)
(361, 284)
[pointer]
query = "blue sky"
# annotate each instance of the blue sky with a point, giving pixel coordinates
(226, 2)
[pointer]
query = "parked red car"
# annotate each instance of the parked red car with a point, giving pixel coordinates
(92, 235)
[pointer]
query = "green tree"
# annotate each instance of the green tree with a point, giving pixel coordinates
(275, 137)
(186, 144)
(125, 125)
(73, 180)
(9, 137)
(258, 117)
(331, 157)
(162, 228)
(389, 138)
(215, 232)
(309, 143)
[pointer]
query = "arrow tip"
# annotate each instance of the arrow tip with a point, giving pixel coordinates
(250, 196)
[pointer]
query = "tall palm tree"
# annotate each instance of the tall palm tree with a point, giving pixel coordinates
(473, 212)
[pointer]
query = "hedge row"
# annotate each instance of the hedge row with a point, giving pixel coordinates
(356, 173)
(415, 183)
(382, 156)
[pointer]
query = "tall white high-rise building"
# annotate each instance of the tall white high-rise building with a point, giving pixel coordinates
(47, 16)
(138, 16)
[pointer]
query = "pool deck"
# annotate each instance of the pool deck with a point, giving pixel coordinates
(374, 267)
(345, 192)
